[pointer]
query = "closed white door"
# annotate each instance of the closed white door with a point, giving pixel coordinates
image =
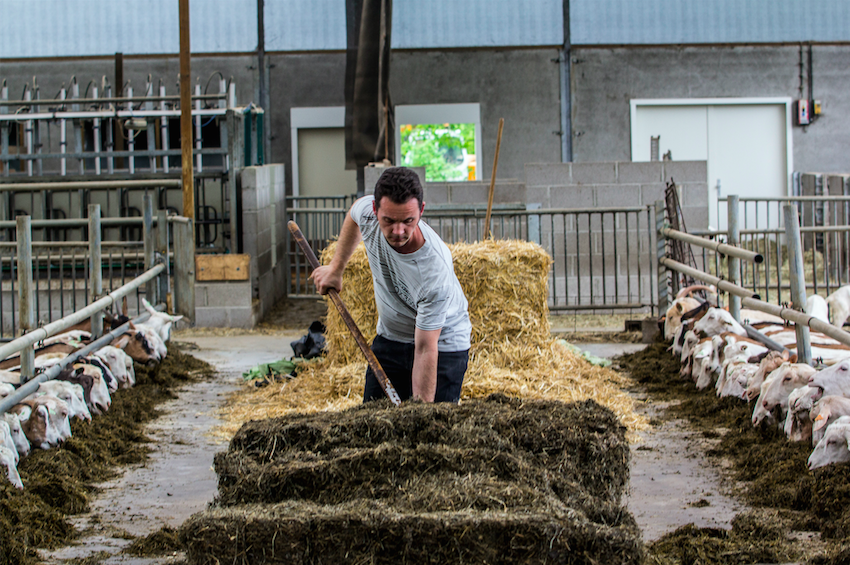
(746, 156)
(745, 145)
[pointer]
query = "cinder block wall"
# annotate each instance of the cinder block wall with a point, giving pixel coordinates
(577, 248)
(263, 222)
(242, 304)
(619, 183)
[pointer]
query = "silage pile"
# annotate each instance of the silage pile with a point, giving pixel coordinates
(506, 283)
(495, 480)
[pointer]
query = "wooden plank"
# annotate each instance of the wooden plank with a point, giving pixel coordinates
(227, 267)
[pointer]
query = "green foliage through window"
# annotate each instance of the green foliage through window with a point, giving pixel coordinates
(447, 151)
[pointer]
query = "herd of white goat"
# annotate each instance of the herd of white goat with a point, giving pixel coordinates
(808, 404)
(82, 390)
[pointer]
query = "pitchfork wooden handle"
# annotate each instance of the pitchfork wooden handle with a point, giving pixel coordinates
(385, 383)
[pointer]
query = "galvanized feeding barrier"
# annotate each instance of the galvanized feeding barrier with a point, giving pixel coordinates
(740, 296)
(153, 282)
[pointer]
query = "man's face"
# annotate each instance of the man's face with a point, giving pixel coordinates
(398, 221)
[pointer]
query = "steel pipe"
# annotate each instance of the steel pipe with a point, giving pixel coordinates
(62, 324)
(798, 318)
(32, 385)
(91, 184)
(723, 248)
(721, 284)
(95, 99)
(107, 114)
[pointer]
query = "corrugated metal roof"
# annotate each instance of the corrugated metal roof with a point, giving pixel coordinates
(305, 25)
(59, 28)
(707, 21)
(476, 23)
(56, 28)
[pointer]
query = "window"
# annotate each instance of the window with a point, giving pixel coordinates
(443, 138)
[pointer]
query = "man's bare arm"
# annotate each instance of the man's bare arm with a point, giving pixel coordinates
(425, 364)
(329, 276)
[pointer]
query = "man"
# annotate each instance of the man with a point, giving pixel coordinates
(423, 325)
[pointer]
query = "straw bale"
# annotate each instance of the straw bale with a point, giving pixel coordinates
(505, 276)
(512, 350)
(295, 533)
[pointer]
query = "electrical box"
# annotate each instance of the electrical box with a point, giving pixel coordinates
(804, 116)
(816, 108)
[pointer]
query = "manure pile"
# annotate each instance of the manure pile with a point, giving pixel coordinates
(513, 352)
(495, 480)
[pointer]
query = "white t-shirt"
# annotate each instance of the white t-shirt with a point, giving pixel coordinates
(414, 290)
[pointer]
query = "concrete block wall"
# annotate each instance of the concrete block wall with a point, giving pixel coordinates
(581, 270)
(244, 303)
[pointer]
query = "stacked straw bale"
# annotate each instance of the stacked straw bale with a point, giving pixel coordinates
(506, 284)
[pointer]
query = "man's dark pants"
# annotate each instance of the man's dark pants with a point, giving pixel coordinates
(397, 361)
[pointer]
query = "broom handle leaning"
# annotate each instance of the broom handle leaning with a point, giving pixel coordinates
(385, 383)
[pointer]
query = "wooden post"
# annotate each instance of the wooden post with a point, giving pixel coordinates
(26, 302)
(148, 237)
(798, 280)
(186, 113)
(162, 250)
(184, 267)
(733, 264)
(95, 266)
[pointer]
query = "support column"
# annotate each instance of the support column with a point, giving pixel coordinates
(26, 302)
(798, 280)
(733, 264)
(95, 268)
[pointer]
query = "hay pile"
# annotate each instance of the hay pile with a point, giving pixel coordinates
(495, 480)
(512, 351)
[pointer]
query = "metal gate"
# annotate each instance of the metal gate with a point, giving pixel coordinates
(603, 258)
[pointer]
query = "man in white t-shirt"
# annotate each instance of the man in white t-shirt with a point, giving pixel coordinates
(423, 324)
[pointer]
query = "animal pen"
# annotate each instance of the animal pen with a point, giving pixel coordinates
(743, 266)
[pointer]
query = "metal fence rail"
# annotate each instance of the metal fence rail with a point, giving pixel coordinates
(64, 278)
(825, 230)
(59, 208)
(602, 257)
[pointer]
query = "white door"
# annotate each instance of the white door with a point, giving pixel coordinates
(745, 144)
(746, 156)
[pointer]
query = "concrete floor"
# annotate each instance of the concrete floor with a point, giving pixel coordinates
(670, 479)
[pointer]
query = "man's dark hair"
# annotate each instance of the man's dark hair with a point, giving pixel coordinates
(399, 184)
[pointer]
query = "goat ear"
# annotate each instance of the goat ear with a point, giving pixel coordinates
(793, 358)
(679, 307)
(177, 318)
(821, 419)
(132, 325)
(148, 306)
(122, 341)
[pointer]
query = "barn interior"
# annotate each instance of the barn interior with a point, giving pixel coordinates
(564, 147)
